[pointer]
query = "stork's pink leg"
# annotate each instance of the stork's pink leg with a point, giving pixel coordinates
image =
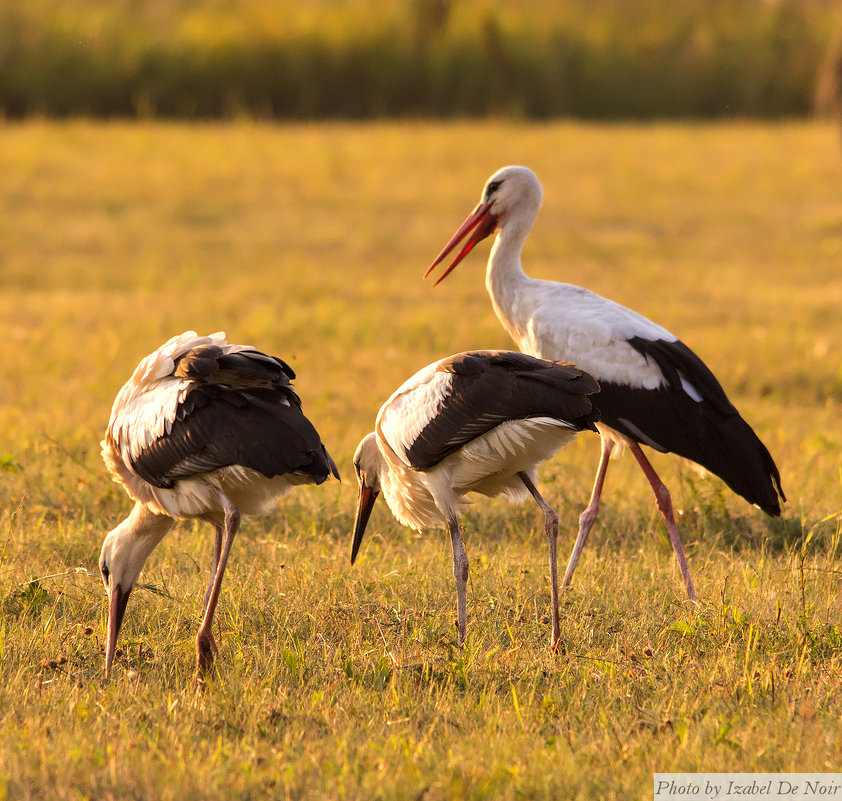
(460, 573)
(551, 529)
(588, 517)
(662, 496)
(205, 644)
(217, 550)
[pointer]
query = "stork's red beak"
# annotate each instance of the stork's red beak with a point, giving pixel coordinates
(117, 600)
(368, 495)
(480, 224)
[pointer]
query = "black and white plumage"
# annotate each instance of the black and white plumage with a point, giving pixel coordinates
(207, 430)
(481, 422)
(654, 390)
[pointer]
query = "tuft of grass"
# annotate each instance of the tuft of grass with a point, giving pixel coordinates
(310, 241)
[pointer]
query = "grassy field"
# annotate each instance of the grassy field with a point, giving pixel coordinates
(310, 241)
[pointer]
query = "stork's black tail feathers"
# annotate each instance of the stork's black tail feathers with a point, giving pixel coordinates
(752, 472)
(691, 415)
(714, 437)
(237, 408)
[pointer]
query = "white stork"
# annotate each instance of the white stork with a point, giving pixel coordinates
(203, 430)
(654, 390)
(481, 422)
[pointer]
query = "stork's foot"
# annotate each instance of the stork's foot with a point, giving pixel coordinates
(206, 652)
(461, 632)
(557, 646)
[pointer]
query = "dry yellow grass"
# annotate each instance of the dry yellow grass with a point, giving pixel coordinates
(310, 241)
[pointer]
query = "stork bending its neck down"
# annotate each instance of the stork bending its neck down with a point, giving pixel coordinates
(481, 422)
(202, 430)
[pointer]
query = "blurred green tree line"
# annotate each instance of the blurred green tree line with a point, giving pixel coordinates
(592, 59)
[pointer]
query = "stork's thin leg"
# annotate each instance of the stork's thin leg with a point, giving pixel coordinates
(551, 529)
(205, 644)
(662, 496)
(460, 573)
(588, 517)
(217, 550)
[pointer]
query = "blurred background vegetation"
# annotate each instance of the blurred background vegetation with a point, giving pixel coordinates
(311, 59)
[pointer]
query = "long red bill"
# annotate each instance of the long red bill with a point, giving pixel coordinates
(366, 503)
(481, 223)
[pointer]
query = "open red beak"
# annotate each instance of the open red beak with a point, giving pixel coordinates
(368, 495)
(479, 225)
(117, 600)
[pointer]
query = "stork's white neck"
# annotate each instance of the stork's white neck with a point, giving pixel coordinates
(505, 279)
(127, 547)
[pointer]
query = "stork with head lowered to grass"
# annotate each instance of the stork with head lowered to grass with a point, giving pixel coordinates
(206, 430)
(480, 421)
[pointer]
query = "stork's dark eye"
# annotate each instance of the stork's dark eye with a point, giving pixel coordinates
(103, 568)
(491, 189)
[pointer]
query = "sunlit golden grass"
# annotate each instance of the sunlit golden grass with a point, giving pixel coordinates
(310, 242)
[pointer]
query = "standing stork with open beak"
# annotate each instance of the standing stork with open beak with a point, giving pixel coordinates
(654, 390)
(481, 422)
(206, 430)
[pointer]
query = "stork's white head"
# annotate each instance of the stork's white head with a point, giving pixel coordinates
(513, 192)
(124, 552)
(511, 199)
(368, 465)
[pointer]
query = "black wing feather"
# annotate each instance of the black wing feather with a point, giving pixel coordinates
(239, 409)
(492, 387)
(675, 361)
(711, 432)
(214, 362)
